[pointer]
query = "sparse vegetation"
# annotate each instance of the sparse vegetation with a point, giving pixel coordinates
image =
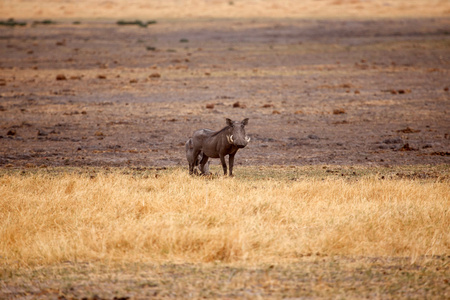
(11, 23)
(136, 22)
(44, 22)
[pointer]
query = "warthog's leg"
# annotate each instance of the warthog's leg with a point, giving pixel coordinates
(193, 160)
(189, 151)
(192, 163)
(231, 163)
(224, 164)
(203, 163)
(206, 168)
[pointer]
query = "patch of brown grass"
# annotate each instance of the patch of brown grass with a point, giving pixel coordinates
(175, 217)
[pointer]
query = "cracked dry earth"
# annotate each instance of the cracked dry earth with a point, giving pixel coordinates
(316, 91)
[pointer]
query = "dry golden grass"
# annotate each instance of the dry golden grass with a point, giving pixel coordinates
(173, 217)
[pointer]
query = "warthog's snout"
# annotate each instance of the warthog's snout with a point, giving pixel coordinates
(240, 143)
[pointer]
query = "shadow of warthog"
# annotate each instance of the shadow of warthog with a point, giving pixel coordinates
(206, 143)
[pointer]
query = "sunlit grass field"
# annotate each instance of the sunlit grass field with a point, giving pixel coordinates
(263, 215)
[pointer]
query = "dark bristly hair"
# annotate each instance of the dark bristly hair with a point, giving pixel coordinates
(221, 130)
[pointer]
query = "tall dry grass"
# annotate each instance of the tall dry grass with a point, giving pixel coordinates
(176, 217)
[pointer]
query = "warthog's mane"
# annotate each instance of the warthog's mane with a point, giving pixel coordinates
(220, 131)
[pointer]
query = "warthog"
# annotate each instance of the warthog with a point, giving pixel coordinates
(216, 144)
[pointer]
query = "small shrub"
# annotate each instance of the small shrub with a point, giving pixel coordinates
(11, 22)
(44, 22)
(136, 22)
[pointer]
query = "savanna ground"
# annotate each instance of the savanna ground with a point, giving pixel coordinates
(342, 192)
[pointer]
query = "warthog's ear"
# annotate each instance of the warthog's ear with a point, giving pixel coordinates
(245, 121)
(229, 122)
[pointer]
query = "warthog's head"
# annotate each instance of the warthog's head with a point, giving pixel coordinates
(236, 133)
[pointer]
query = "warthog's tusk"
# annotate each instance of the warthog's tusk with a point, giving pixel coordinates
(230, 139)
(247, 138)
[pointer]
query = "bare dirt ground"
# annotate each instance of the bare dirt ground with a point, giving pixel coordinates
(365, 92)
